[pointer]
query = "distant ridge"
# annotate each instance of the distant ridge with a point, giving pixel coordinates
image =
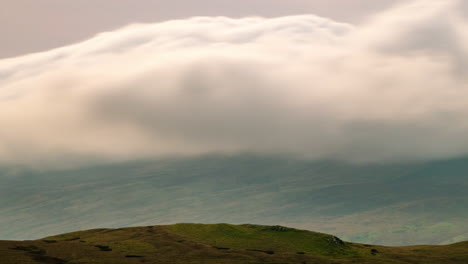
(216, 243)
(393, 204)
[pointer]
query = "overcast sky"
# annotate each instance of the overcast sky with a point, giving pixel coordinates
(338, 86)
(37, 25)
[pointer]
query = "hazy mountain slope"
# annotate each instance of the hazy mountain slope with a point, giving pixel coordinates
(220, 243)
(397, 204)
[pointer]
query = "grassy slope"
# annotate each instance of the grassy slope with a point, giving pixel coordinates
(267, 238)
(396, 204)
(220, 243)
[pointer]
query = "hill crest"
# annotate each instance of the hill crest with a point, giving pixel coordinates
(216, 243)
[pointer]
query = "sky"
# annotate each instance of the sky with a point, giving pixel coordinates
(30, 25)
(358, 83)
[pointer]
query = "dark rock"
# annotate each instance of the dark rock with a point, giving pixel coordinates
(104, 248)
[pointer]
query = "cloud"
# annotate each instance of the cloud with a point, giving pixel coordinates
(393, 88)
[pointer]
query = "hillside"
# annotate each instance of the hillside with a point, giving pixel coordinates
(218, 243)
(392, 204)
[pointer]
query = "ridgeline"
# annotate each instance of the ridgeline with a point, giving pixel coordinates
(217, 244)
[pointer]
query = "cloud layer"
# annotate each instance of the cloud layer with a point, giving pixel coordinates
(394, 88)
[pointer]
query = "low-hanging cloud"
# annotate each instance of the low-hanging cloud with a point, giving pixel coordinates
(394, 88)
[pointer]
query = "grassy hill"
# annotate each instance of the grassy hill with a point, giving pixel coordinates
(216, 243)
(392, 204)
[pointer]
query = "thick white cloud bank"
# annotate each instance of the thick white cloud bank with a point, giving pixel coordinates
(394, 88)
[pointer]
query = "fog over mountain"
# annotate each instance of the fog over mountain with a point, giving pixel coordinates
(322, 121)
(391, 89)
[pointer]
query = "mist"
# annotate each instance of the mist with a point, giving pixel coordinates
(391, 89)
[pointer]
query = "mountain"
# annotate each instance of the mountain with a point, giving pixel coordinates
(391, 204)
(218, 243)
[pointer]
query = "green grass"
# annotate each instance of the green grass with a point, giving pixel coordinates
(267, 238)
(217, 244)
